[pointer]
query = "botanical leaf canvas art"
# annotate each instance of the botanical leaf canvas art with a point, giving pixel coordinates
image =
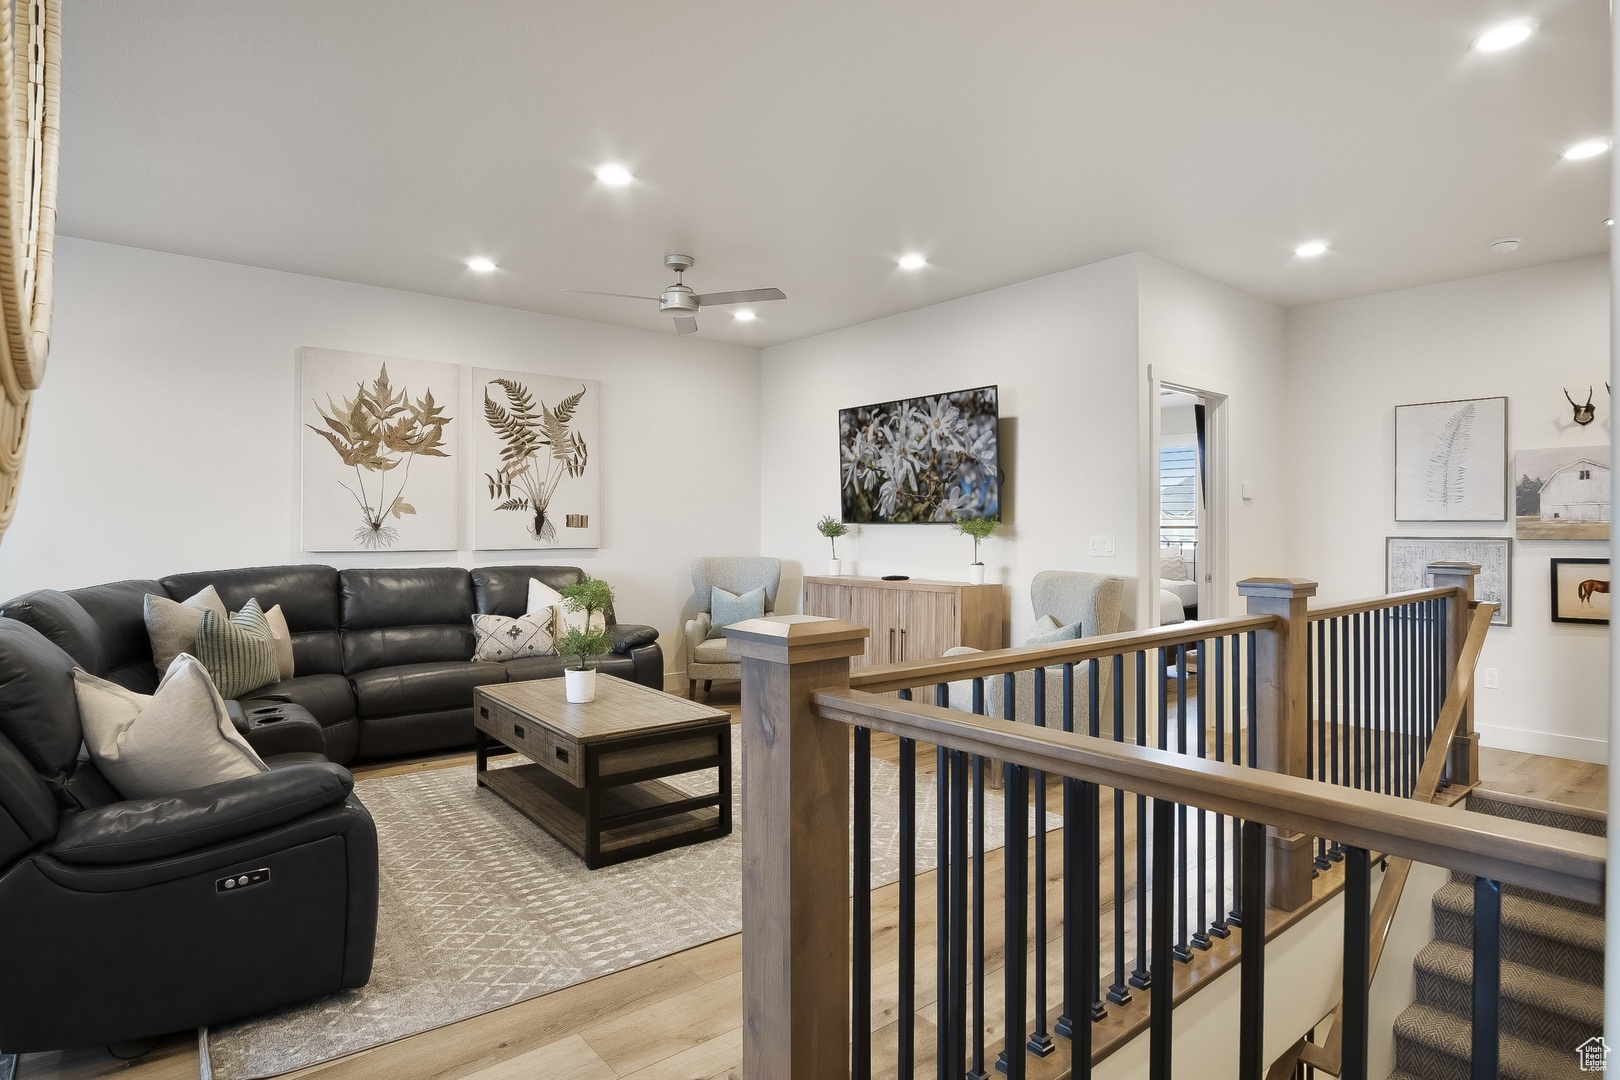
(536, 461)
(1451, 460)
(379, 440)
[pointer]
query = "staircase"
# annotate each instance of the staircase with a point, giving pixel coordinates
(1552, 974)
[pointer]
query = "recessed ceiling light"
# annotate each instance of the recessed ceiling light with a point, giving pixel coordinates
(480, 265)
(614, 175)
(913, 261)
(744, 315)
(1311, 249)
(1587, 149)
(1505, 36)
(1505, 245)
(1608, 221)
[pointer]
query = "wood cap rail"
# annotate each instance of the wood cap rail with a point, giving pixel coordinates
(1378, 603)
(1025, 657)
(1519, 853)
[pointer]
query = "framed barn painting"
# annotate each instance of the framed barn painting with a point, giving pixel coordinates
(1451, 460)
(380, 454)
(537, 455)
(1580, 591)
(1407, 558)
(1561, 493)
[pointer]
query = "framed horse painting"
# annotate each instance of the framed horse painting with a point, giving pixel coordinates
(1580, 590)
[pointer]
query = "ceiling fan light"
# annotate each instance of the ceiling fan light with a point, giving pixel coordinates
(1590, 148)
(912, 261)
(744, 315)
(1311, 249)
(1505, 35)
(480, 265)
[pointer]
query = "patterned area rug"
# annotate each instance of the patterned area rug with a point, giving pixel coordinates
(480, 909)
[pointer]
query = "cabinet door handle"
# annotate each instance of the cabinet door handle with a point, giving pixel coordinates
(902, 645)
(891, 644)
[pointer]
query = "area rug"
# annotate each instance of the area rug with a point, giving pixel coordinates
(480, 909)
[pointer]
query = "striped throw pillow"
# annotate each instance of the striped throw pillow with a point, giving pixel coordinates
(239, 653)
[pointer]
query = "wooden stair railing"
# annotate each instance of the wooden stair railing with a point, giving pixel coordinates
(1328, 1056)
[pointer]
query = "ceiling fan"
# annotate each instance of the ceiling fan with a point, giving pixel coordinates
(681, 302)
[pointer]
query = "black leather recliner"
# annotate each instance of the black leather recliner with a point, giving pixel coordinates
(121, 920)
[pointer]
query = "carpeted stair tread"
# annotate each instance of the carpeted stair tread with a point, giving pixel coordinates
(1535, 1004)
(1563, 942)
(1439, 1044)
(1551, 899)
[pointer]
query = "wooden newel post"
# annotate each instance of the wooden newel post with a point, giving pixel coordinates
(795, 835)
(1279, 729)
(1462, 765)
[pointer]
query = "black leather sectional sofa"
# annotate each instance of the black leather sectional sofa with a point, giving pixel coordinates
(382, 657)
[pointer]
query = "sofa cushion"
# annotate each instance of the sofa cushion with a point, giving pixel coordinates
(364, 650)
(504, 590)
(63, 622)
(425, 596)
(307, 594)
(117, 609)
(178, 739)
(38, 713)
(421, 688)
(328, 698)
(534, 667)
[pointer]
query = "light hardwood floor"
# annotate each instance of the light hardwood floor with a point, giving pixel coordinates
(679, 1018)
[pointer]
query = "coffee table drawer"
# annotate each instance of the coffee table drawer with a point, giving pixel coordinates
(666, 756)
(538, 742)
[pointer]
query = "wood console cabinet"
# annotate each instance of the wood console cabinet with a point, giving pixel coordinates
(911, 620)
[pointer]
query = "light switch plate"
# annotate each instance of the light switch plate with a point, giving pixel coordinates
(1488, 678)
(1102, 547)
(1248, 489)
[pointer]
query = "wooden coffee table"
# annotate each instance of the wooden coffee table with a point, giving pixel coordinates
(595, 779)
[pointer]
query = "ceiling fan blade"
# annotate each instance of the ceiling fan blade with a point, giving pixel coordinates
(685, 325)
(625, 296)
(741, 296)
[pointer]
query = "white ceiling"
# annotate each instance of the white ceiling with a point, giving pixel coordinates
(807, 145)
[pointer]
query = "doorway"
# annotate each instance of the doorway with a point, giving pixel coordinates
(1186, 550)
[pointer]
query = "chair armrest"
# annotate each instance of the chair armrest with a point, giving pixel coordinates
(628, 636)
(143, 829)
(697, 632)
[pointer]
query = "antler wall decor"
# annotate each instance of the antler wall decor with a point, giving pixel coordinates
(1583, 413)
(30, 134)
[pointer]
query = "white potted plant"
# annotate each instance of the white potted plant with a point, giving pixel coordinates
(832, 529)
(580, 643)
(980, 528)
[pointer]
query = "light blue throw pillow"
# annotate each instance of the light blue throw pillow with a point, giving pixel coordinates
(1050, 634)
(726, 608)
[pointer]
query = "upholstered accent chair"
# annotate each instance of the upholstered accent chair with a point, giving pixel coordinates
(706, 657)
(1069, 596)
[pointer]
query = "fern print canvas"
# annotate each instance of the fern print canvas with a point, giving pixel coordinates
(1451, 460)
(536, 461)
(380, 455)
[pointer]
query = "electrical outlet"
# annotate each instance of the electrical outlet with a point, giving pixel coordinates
(1488, 678)
(1102, 547)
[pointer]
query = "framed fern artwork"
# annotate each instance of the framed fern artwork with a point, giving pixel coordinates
(380, 448)
(1451, 460)
(536, 461)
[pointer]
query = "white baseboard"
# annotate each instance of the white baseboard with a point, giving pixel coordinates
(675, 682)
(1545, 743)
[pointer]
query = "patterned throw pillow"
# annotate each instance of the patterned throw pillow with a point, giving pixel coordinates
(240, 654)
(500, 637)
(1172, 568)
(726, 608)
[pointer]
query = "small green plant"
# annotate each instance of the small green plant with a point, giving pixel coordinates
(832, 529)
(590, 595)
(980, 528)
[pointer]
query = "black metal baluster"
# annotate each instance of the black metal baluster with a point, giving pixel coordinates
(1200, 937)
(1090, 943)
(1357, 723)
(1311, 711)
(1161, 1000)
(942, 895)
(1074, 982)
(1040, 1040)
(978, 1071)
(1183, 942)
(1016, 897)
(1357, 960)
(1404, 666)
(1369, 725)
(958, 1014)
(1218, 928)
(1118, 993)
(1386, 697)
(1091, 858)
(1234, 913)
(1336, 664)
(861, 938)
(906, 1005)
(1320, 686)
(1142, 977)
(1252, 972)
(1487, 1046)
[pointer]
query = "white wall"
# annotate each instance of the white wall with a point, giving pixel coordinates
(1526, 334)
(1062, 349)
(165, 437)
(1218, 339)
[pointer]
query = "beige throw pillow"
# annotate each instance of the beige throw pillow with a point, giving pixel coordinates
(283, 640)
(174, 740)
(173, 627)
(499, 637)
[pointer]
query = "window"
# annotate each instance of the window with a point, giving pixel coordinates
(1178, 492)
(1586, 474)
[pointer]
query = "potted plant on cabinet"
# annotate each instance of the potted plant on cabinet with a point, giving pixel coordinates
(583, 638)
(980, 528)
(832, 529)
